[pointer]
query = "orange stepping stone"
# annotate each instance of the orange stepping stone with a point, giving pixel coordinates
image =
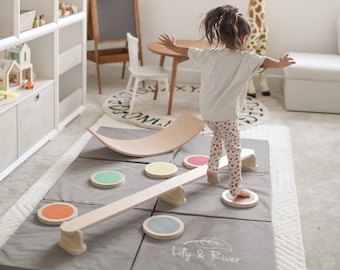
(56, 213)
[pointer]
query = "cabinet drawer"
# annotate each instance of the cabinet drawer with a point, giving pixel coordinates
(8, 138)
(70, 59)
(35, 118)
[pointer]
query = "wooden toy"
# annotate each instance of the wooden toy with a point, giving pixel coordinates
(8, 93)
(258, 41)
(66, 10)
(195, 161)
(71, 238)
(170, 138)
(160, 170)
(56, 213)
(240, 202)
(36, 22)
(107, 179)
(42, 20)
(163, 227)
(29, 85)
(16, 68)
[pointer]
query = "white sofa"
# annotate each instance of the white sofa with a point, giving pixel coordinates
(313, 83)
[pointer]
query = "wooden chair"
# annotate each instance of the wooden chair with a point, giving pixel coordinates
(140, 73)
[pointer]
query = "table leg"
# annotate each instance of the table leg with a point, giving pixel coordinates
(172, 83)
(161, 64)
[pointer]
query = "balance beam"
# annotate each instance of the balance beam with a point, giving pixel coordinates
(71, 238)
(182, 130)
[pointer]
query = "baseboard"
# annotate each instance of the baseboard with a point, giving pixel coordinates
(184, 75)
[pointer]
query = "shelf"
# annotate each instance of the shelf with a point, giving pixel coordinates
(69, 20)
(8, 42)
(37, 32)
(57, 66)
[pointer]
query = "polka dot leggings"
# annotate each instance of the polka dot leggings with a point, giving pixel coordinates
(226, 134)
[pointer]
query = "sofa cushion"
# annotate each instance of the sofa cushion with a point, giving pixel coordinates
(313, 66)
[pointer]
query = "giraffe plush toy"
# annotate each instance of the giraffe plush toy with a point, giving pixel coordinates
(258, 41)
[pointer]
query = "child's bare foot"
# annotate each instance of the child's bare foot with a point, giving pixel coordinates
(213, 178)
(243, 194)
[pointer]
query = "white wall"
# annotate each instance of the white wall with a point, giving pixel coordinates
(294, 25)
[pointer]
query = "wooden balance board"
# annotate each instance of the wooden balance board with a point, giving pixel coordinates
(168, 139)
(71, 238)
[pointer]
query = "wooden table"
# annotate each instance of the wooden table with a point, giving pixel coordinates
(157, 47)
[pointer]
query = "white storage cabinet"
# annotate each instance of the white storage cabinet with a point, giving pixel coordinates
(58, 55)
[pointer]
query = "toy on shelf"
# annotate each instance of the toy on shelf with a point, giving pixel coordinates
(28, 85)
(6, 96)
(67, 10)
(8, 93)
(36, 22)
(17, 68)
(42, 20)
(39, 21)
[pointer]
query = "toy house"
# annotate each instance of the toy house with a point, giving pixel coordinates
(17, 68)
(10, 74)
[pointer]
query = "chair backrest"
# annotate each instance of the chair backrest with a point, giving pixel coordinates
(133, 52)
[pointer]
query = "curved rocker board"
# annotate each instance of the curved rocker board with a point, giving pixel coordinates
(178, 133)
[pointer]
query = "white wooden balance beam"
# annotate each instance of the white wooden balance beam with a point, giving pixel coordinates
(71, 238)
(182, 130)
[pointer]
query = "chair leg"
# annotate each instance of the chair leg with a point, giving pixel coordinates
(128, 86)
(98, 78)
(123, 70)
(132, 101)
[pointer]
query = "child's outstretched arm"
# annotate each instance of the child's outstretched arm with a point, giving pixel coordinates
(170, 43)
(284, 61)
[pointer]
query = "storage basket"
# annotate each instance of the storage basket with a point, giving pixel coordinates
(26, 19)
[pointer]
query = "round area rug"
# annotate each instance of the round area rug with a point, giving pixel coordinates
(152, 114)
